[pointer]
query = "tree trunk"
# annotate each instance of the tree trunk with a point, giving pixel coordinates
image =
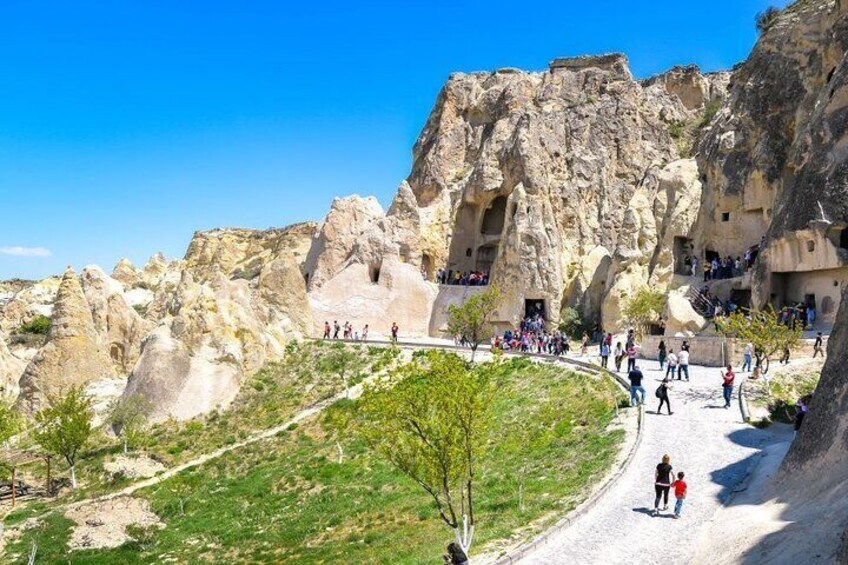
(125, 445)
(473, 351)
(341, 452)
(73, 477)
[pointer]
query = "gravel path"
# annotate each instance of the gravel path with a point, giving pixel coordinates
(710, 444)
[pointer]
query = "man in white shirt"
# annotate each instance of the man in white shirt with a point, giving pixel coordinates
(683, 364)
(747, 357)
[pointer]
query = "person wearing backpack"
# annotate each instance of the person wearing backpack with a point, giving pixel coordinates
(662, 394)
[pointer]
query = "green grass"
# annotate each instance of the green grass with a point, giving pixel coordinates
(267, 399)
(290, 500)
(780, 393)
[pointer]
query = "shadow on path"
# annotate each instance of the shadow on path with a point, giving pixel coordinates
(650, 512)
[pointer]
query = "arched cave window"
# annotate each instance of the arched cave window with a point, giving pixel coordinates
(811, 246)
(843, 239)
(374, 273)
(493, 218)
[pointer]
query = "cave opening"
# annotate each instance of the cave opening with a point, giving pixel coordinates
(494, 216)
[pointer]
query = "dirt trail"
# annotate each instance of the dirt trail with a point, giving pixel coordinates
(712, 445)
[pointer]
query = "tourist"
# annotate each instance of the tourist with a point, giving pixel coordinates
(707, 270)
(683, 363)
(394, 332)
(662, 394)
(662, 483)
(680, 488)
(817, 346)
(631, 357)
(605, 352)
(662, 354)
(619, 356)
(811, 315)
(365, 333)
(336, 328)
(635, 377)
(694, 271)
(455, 555)
(801, 409)
(326, 330)
(684, 346)
(727, 385)
(747, 357)
(672, 364)
(584, 344)
(784, 359)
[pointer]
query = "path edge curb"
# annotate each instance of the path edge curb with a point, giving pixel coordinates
(569, 519)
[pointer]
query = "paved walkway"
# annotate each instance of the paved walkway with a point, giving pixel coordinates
(709, 443)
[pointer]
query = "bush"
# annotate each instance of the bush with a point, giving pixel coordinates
(39, 325)
(571, 323)
(710, 111)
(644, 308)
(766, 18)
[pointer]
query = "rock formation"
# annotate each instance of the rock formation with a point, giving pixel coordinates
(10, 371)
(71, 355)
(119, 326)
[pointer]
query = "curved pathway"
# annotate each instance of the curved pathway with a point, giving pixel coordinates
(712, 445)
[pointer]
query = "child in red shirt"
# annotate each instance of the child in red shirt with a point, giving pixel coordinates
(680, 489)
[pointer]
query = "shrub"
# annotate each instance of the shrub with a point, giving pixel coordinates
(766, 18)
(39, 325)
(571, 323)
(710, 110)
(644, 308)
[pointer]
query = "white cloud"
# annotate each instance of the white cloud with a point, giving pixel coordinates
(19, 251)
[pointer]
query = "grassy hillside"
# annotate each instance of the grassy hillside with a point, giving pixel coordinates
(317, 494)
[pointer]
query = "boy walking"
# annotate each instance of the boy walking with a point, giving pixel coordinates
(680, 488)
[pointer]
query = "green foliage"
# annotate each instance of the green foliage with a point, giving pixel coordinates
(430, 419)
(471, 319)
(644, 308)
(128, 418)
(140, 309)
(571, 322)
(287, 500)
(39, 325)
(64, 427)
(767, 18)
(710, 110)
(785, 390)
(762, 329)
(677, 130)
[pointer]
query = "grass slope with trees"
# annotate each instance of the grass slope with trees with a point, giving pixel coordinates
(323, 492)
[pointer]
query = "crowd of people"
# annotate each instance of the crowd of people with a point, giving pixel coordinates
(348, 332)
(463, 278)
(717, 267)
(531, 336)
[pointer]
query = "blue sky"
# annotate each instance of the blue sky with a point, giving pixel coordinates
(126, 126)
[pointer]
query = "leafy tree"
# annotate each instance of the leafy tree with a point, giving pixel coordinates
(766, 18)
(128, 418)
(762, 329)
(571, 323)
(644, 308)
(64, 427)
(471, 319)
(430, 418)
(10, 424)
(39, 325)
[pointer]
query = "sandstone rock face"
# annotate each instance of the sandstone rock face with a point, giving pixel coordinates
(680, 318)
(26, 302)
(11, 369)
(178, 384)
(223, 312)
(557, 183)
(693, 89)
(774, 160)
(119, 327)
(71, 355)
(243, 252)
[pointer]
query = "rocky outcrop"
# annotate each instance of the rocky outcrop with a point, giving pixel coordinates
(693, 89)
(71, 355)
(773, 160)
(241, 253)
(10, 371)
(26, 301)
(556, 183)
(119, 327)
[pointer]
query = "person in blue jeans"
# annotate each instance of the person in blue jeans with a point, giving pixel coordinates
(683, 364)
(747, 357)
(727, 385)
(635, 377)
